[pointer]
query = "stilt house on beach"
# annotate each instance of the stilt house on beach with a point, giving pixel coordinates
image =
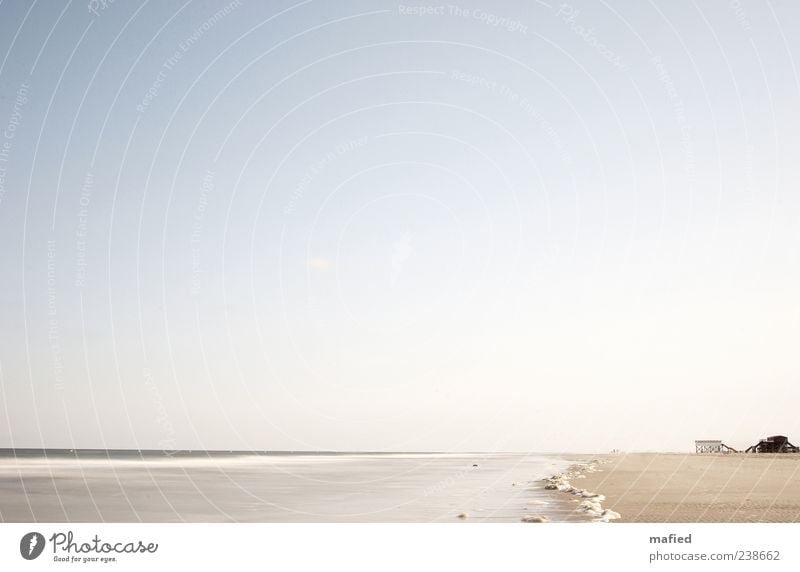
(712, 446)
(774, 444)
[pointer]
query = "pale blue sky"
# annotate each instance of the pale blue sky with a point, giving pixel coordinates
(340, 225)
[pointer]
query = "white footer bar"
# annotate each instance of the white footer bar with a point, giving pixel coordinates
(400, 547)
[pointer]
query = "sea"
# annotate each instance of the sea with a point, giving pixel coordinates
(233, 486)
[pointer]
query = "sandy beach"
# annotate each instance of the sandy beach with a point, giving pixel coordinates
(657, 487)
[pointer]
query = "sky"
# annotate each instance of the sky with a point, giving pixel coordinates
(367, 226)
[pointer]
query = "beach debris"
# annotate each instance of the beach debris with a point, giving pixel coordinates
(474, 465)
(558, 482)
(463, 515)
(591, 507)
(591, 502)
(609, 515)
(535, 518)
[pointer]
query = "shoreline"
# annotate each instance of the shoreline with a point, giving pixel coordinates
(632, 487)
(589, 503)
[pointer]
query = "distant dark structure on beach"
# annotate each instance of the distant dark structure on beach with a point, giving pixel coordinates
(774, 444)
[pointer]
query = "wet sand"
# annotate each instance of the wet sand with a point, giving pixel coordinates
(124, 486)
(658, 487)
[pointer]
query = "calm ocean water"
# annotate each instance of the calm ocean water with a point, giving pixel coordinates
(320, 487)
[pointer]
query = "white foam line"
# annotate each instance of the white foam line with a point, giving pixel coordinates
(592, 502)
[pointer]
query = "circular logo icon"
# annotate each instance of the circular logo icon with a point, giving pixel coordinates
(31, 545)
